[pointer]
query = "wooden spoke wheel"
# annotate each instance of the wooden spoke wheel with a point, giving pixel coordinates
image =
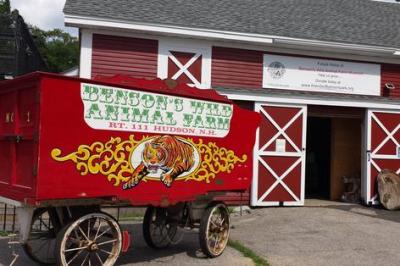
(42, 237)
(214, 230)
(157, 231)
(93, 239)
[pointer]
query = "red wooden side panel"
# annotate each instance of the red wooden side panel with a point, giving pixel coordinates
(18, 151)
(236, 68)
(390, 74)
(125, 56)
(235, 198)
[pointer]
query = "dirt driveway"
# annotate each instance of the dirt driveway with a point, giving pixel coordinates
(322, 233)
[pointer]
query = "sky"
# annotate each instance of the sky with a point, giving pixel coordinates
(45, 14)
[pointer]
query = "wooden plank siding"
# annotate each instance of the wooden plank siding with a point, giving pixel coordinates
(390, 74)
(236, 68)
(112, 55)
(231, 67)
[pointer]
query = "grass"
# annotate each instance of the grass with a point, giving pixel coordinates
(258, 261)
(2, 233)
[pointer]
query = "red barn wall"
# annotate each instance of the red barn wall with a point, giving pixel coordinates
(236, 68)
(390, 74)
(231, 67)
(134, 57)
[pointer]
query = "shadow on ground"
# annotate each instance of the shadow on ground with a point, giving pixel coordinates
(186, 252)
(377, 212)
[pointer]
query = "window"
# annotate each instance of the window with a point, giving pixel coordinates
(185, 61)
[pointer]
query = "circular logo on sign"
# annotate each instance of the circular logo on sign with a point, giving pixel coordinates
(276, 70)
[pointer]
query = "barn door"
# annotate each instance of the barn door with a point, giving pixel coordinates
(279, 156)
(383, 148)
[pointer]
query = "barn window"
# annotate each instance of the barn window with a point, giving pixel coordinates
(185, 61)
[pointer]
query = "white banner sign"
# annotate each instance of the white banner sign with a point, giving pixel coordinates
(321, 75)
(111, 108)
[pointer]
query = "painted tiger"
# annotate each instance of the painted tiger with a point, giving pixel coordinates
(167, 153)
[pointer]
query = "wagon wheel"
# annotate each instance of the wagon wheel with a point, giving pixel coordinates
(157, 231)
(214, 230)
(42, 237)
(93, 239)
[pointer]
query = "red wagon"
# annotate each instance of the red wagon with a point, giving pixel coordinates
(69, 146)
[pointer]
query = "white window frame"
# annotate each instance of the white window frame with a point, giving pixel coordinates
(185, 46)
(85, 64)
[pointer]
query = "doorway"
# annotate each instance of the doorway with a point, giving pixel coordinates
(318, 157)
(334, 136)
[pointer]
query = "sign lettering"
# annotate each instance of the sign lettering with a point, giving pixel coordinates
(111, 108)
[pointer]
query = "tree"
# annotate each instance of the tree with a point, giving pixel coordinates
(59, 49)
(5, 8)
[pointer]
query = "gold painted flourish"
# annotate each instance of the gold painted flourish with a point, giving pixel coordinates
(214, 160)
(112, 159)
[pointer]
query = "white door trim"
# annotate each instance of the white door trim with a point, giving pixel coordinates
(372, 154)
(300, 152)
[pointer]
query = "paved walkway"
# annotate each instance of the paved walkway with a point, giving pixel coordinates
(322, 233)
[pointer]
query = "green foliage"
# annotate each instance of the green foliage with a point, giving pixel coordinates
(3, 233)
(258, 261)
(5, 7)
(59, 49)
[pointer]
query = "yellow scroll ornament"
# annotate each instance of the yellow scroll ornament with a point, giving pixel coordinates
(112, 159)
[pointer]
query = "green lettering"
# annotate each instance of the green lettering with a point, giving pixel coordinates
(226, 110)
(169, 120)
(157, 118)
(111, 112)
(125, 114)
(197, 107)
(212, 109)
(198, 122)
(223, 123)
(142, 117)
(187, 120)
(178, 105)
(162, 102)
(106, 95)
(147, 100)
(133, 99)
(210, 122)
(90, 93)
(94, 112)
(121, 97)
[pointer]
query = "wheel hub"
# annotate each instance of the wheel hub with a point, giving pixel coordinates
(93, 246)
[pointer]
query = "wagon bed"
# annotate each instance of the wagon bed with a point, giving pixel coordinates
(58, 140)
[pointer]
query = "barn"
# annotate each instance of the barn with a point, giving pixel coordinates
(323, 74)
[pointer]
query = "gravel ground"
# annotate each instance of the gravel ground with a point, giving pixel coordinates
(322, 233)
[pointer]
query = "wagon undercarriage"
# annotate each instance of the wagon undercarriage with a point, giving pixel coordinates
(84, 235)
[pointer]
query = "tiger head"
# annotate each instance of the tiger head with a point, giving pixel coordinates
(154, 156)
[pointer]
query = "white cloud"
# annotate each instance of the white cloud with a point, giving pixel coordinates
(45, 14)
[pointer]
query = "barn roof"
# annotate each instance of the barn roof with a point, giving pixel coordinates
(362, 22)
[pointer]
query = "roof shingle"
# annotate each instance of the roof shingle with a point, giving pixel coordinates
(362, 22)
